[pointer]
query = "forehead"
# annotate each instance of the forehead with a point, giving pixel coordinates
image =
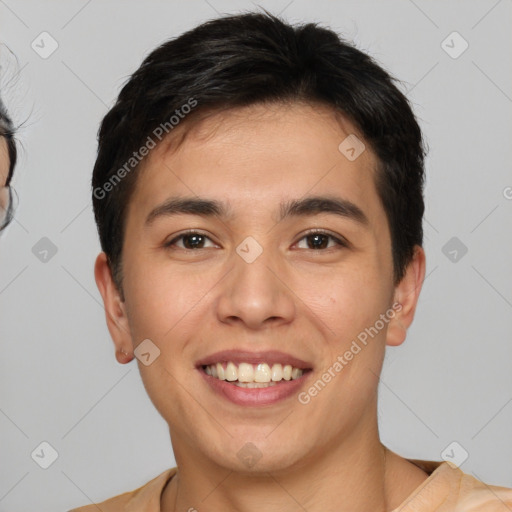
(4, 161)
(259, 155)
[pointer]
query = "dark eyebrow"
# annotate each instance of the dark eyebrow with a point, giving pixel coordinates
(324, 204)
(297, 207)
(190, 206)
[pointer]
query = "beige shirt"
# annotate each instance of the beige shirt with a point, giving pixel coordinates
(447, 489)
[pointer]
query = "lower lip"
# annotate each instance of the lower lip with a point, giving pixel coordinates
(255, 396)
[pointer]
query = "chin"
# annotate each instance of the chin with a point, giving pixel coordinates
(254, 454)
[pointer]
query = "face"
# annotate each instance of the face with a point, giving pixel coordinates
(256, 286)
(4, 172)
(4, 162)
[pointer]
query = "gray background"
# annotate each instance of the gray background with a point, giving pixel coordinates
(59, 381)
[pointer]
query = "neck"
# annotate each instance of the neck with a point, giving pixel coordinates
(350, 475)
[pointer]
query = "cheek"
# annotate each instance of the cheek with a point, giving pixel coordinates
(164, 300)
(346, 299)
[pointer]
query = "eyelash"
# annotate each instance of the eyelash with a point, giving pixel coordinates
(339, 242)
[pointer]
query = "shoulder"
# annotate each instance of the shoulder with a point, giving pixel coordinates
(476, 495)
(452, 490)
(144, 498)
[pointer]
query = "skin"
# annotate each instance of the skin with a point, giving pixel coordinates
(4, 162)
(325, 455)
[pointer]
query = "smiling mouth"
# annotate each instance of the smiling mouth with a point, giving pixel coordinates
(247, 375)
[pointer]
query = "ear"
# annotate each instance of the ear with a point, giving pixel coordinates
(406, 294)
(115, 310)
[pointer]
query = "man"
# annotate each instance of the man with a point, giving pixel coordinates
(258, 193)
(8, 155)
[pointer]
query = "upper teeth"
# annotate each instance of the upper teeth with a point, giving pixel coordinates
(246, 372)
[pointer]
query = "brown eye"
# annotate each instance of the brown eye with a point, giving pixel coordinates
(318, 240)
(190, 241)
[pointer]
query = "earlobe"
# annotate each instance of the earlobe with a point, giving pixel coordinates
(123, 357)
(406, 294)
(115, 311)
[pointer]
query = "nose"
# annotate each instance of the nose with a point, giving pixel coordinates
(256, 294)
